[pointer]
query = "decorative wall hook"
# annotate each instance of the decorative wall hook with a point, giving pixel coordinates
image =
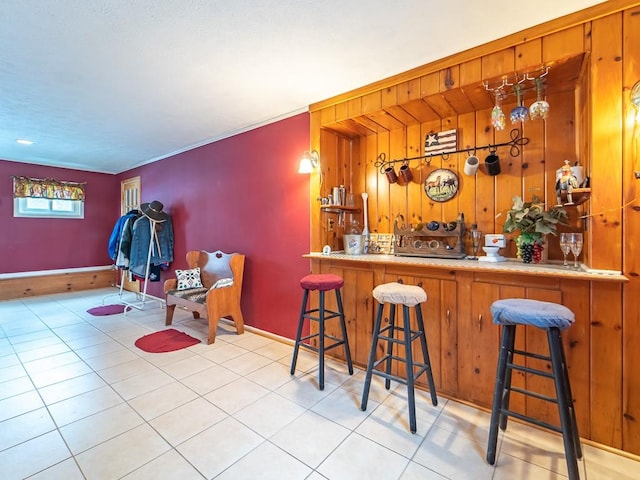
(515, 148)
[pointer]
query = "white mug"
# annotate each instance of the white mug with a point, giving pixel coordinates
(471, 165)
(326, 250)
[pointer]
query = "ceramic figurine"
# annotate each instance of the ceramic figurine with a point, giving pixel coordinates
(566, 182)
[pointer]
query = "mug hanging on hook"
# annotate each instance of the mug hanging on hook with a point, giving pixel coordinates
(389, 171)
(405, 172)
(471, 164)
(492, 163)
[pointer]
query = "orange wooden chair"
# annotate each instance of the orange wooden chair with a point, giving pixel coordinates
(219, 296)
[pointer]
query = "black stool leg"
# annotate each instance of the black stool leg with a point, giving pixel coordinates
(425, 355)
(565, 370)
(296, 347)
(321, 339)
(411, 395)
(508, 332)
(343, 326)
(372, 355)
(507, 382)
(566, 422)
(391, 334)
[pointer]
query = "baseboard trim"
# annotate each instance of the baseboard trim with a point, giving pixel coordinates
(47, 282)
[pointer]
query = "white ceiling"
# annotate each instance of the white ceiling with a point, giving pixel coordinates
(109, 85)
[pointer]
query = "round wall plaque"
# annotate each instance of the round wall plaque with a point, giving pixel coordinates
(441, 185)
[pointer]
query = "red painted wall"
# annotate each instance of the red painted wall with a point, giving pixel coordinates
(33, 244)
(242, 194)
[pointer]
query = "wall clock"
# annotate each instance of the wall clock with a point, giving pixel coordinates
(441, 185)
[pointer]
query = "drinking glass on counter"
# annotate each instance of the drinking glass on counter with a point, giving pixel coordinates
(476, 236)
(576, 247)
(565, 247)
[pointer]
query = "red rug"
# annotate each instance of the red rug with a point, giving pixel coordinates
(107, 310)
(165, 341)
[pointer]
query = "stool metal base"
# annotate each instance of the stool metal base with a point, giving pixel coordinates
(322, 314)
(564, 399)
(388, 334)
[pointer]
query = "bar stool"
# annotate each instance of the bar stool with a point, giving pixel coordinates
(408, 296)
(321, 282)
(553, 318)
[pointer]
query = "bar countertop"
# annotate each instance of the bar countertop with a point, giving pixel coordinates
(512, 266)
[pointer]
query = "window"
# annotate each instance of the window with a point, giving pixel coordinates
(47, 198)
(47, 208)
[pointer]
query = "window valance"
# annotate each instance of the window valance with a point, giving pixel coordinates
(47, 188)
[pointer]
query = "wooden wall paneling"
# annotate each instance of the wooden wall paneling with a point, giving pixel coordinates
(354, 107)
(373, 181)
(564, 43)
(455, 163)
(430, 210)
(317, 234)
(499, 64)
(365, 311)
(509, 183)
(577, 349)
(606, 369)
(536, 341)
(391, 105)
(471, 80)
(606, 168)
(631, 243)
(22, 287)
(341, 111)
(431, 315)
(467, 191)
(329, 161)
(329, 165)
(382, 221)
(344, 161)
(451, 91)
(479, 345)
(357, 174)
(415, 192)
(528, 54)
(328, 115)
(517, 402)
(485, 184)
(448, 336)
(398, 191)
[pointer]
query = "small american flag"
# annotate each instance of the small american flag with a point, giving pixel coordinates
(442, 142)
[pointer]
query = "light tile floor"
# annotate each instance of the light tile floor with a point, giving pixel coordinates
(79, 400)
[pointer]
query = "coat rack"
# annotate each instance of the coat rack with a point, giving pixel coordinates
(517, 141)
(139, 305)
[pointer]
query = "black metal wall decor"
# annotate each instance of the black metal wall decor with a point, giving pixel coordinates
(515, 148)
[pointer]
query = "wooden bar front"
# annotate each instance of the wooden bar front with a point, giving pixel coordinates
(463, 341)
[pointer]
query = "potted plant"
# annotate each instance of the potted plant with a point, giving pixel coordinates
(534, 223)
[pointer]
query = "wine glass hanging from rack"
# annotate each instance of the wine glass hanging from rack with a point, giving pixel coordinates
(518, 86)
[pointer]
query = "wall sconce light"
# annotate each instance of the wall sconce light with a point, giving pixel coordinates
(309, 161)
(635, 95)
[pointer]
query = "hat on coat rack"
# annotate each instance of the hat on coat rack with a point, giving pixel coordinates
(154, 211)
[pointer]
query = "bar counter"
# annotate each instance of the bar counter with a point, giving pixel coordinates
(511, 265)
(463, 341)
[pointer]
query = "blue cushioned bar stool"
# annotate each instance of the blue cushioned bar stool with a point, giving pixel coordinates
(554, 319)
(408, 296)
(322, 282)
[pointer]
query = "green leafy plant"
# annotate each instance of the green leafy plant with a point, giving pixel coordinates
(532, 220)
